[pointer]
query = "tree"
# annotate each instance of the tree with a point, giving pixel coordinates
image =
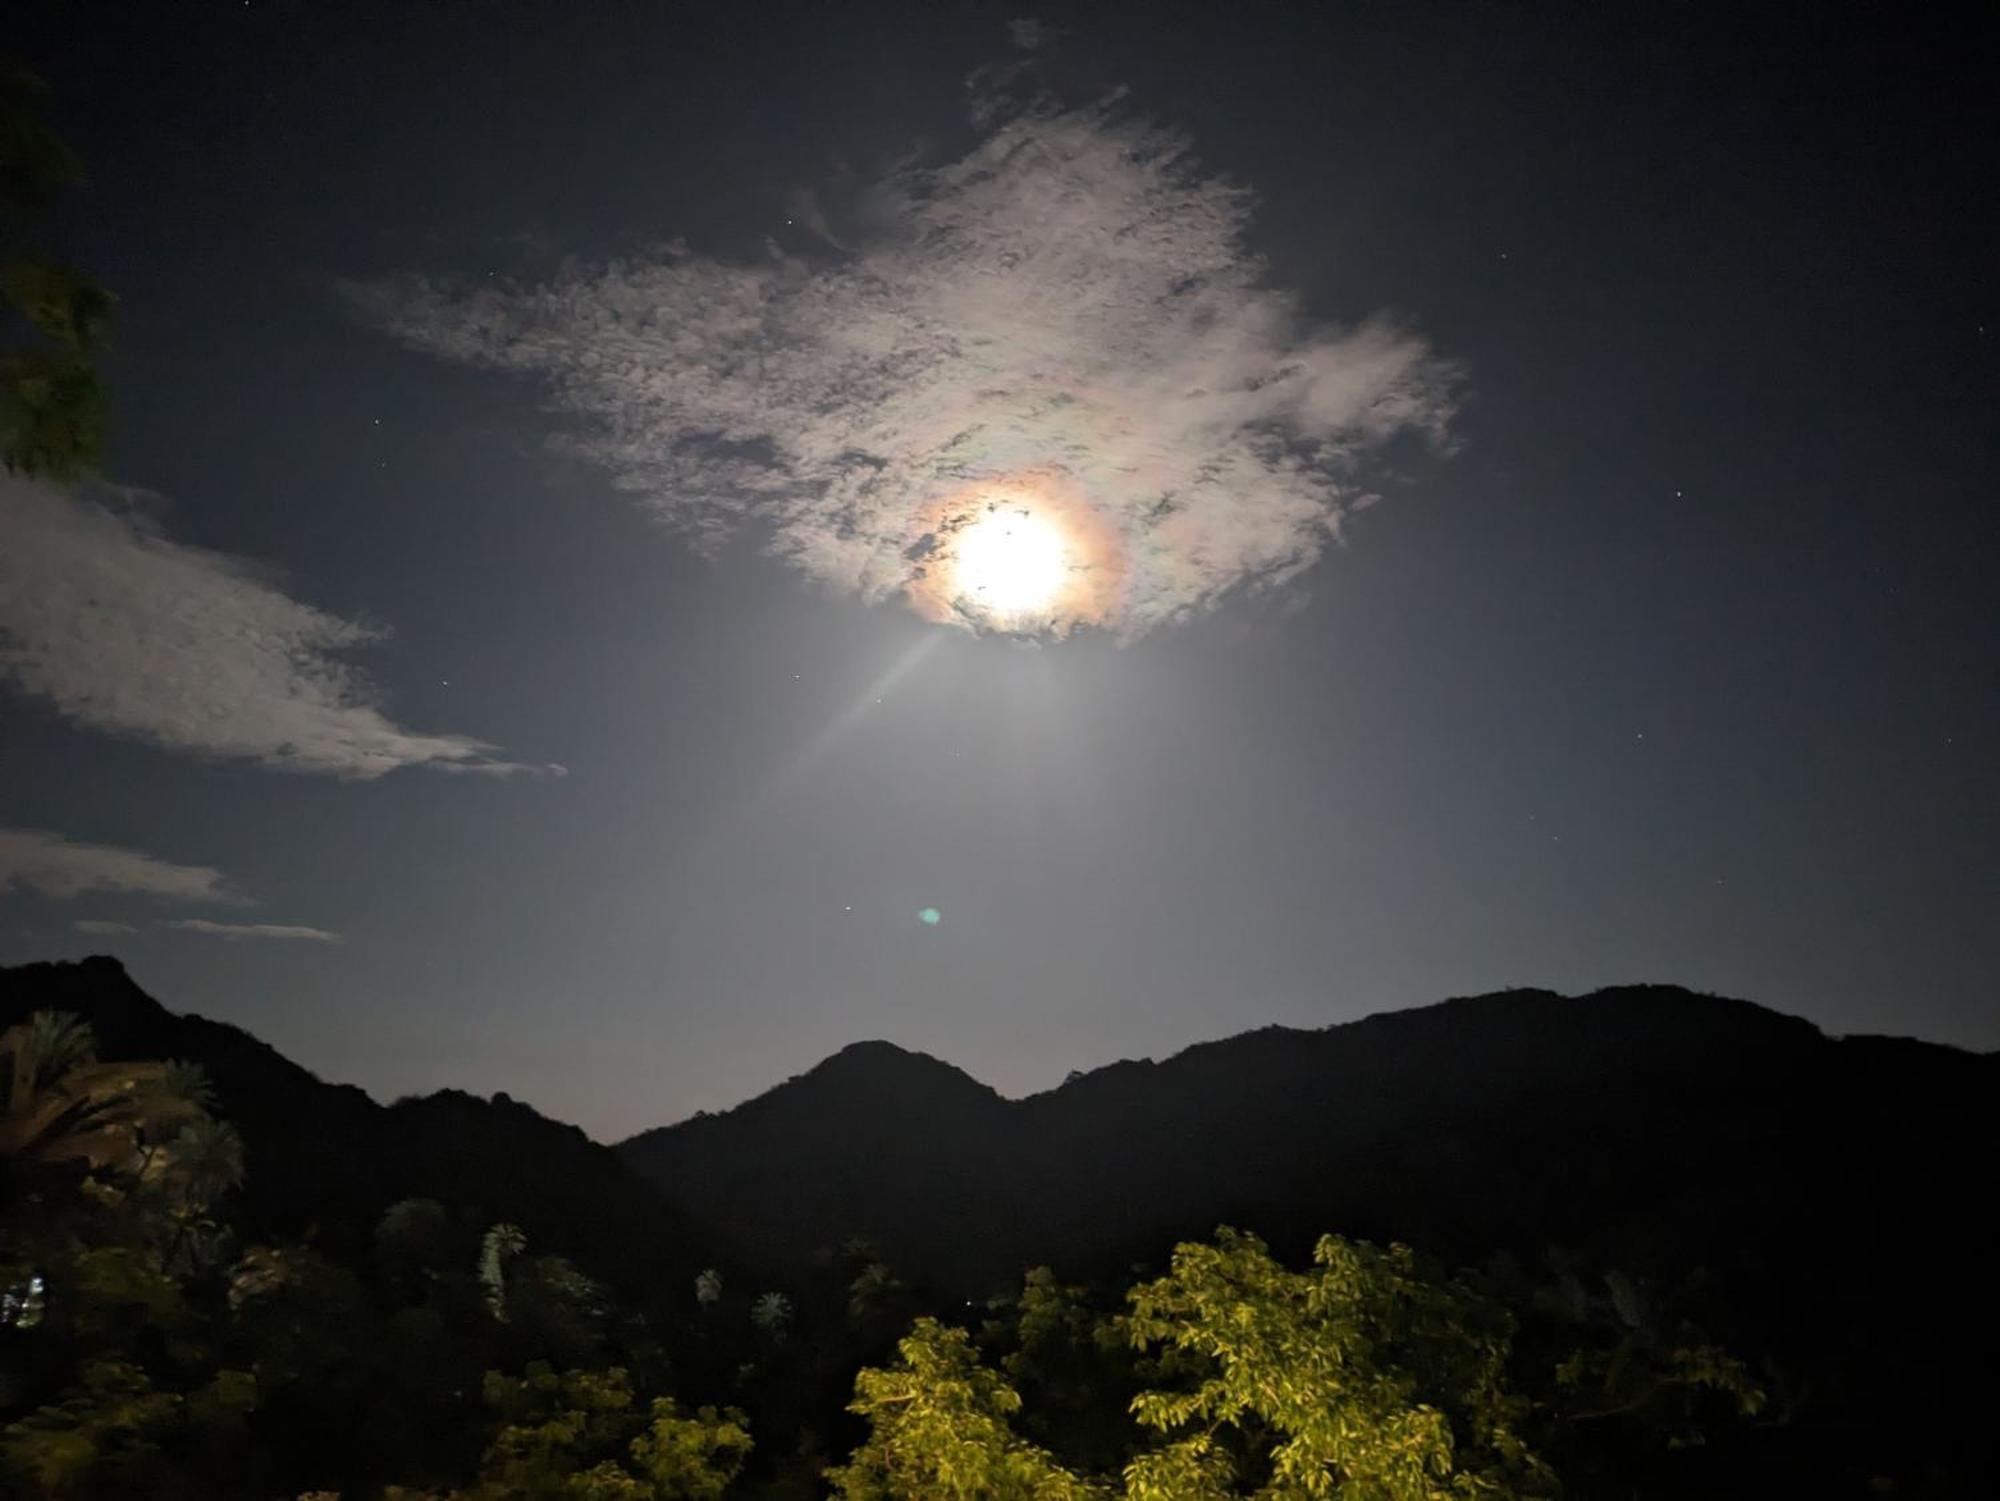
(772, 1313)
(1074, 1366)
(691, 1458)
(52, 401)
(501, 1243)
(108, 1435)
(107, 1428)
(1637, 1377)
(62, 1106)
(202, 1162)
(940, 1427)
(570, 1437)
(1358, 1378)
(557, 1311)
(413, 1243)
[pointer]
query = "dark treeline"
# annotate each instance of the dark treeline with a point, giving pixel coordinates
(223, 1277)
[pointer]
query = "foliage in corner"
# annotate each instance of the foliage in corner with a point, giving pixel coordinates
(52, 399)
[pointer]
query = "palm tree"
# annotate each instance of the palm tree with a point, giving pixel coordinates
(502, 1243)
(62, 1106)
(202, 1162)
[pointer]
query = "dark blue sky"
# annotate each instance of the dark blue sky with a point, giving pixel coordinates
(1681, 666)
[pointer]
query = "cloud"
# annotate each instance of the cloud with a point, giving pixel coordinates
(127, 631)
(1027, 33)
(54, 866)
(1071, 309)
(57, 867)
(236, 932)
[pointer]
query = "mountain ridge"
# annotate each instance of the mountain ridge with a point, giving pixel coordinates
(325, 1159)
(1809, 1200)
(1533, 1117)
(887, 1048)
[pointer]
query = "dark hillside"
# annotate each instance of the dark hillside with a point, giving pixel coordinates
(1820, 1202)
(324, 1160)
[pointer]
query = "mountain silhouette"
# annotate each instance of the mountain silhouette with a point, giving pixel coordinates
(324, 1160)
(1819, 1203)
(1510, 1121)
(874, 1142)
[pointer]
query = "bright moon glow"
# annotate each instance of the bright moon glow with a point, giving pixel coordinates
(1011, 563)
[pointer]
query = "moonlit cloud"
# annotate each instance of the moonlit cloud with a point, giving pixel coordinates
(1070, 308)
(127, 631)
(33, 860)
(238, 932)
(1027, 33)
(100, 926)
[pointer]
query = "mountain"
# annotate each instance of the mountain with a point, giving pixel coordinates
(1642, 1116)
(1818, 1204)
(1817, 1201)
(324, 1160)
(874, 1141)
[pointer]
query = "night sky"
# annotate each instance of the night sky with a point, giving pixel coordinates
(1544, 471)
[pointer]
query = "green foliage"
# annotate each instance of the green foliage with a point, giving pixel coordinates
(1074, 1367)
(1638, 1365)
(772, 1313)
(571, 1435)
(1358, 1378)
(147, 1355)
(146, 1352)
(555, 1427)
(103, 1433)
(52, 402)
(112, 1287)
(35, 166)
(939, 1426)
(501, 1244)
(63, 1107)
(1053, 1316)
(691, 1458)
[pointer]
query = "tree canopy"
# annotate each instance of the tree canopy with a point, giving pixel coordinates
(53, 403)
(155, 1343)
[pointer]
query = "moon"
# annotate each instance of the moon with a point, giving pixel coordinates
(1012, 562)
(1024, 554)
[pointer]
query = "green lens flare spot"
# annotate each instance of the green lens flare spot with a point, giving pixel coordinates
(930, 917)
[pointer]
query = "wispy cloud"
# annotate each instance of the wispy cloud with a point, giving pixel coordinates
(1072, 305)
(127, 631)
(34, 860)
(236, 932)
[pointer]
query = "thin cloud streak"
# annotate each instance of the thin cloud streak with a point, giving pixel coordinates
(101, 926)
(234, 932)
(39, 861)
(1073, 300)
(126, 631)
